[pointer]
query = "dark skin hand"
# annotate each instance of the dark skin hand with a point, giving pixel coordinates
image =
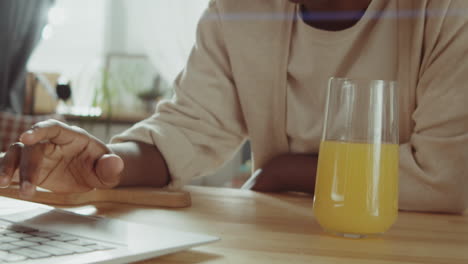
(288, 173)
(66, 159)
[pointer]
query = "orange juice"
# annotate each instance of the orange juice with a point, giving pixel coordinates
(356, 191)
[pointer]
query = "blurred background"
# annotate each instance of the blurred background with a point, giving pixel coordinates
(99, 64)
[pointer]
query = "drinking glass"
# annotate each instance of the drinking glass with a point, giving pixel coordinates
(356, 191)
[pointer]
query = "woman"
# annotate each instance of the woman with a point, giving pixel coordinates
(259, 71)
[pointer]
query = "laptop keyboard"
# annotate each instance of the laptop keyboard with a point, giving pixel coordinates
(20, 243)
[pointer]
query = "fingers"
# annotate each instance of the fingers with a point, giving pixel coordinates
(27, 160)
(103, 172)
(51, 130)
(9, 163)
(266, 181)
(29, 169)
(108, 170)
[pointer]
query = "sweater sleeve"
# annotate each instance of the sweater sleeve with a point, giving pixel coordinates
(202, 126)
(434, 163)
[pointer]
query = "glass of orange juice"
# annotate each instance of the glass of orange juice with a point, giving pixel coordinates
(356, 191)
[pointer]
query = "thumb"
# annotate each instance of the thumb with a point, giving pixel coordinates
(108, 170)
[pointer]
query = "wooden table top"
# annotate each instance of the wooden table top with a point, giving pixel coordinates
(280, 228)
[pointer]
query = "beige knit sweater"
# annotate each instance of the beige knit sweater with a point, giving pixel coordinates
(234, 88)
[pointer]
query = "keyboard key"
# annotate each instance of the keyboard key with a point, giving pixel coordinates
(99, 247)
(21, 229)
(64, 238)
(30, 253)
(8, 246)
(42, 234)
(5, 239)
(6, 231)
(37, 239)
(10, 257)
(18, 235)
(22, 243)
(74, 248)
(82, 242)
(53, 250)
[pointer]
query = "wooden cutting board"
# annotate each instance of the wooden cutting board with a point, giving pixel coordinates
(133, 195)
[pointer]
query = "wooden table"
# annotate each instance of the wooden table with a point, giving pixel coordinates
(280, 228)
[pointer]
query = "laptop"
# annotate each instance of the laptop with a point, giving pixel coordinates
(36, 233)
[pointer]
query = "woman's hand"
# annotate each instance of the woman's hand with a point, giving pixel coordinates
(287, 172)
(60, 158)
